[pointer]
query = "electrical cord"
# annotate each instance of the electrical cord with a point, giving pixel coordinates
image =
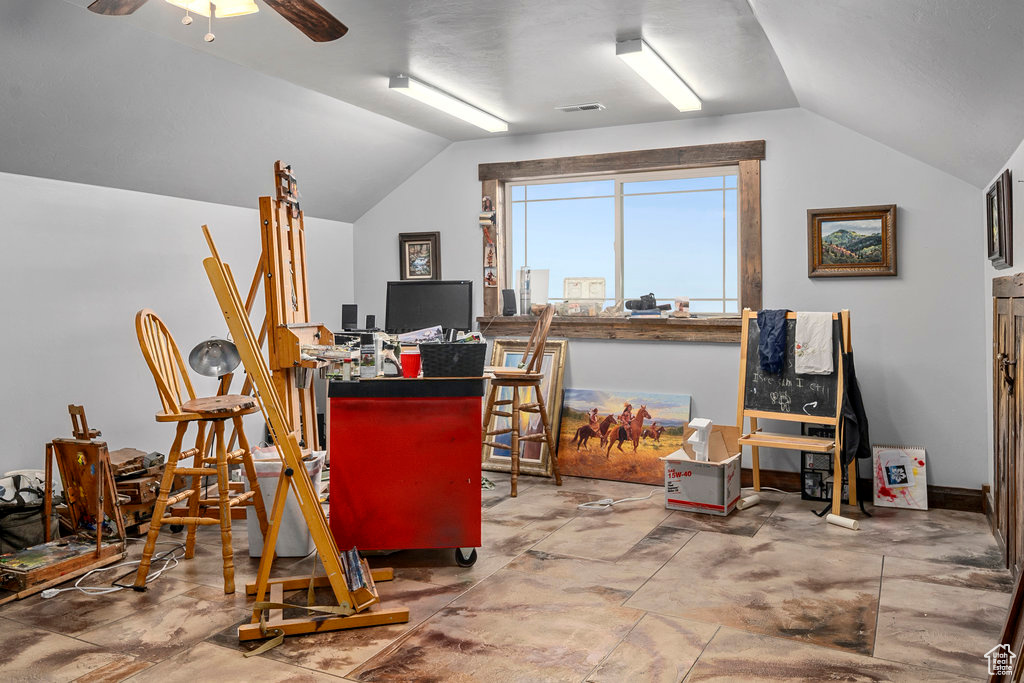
(169, 559)
(769, 488)
(605, 503)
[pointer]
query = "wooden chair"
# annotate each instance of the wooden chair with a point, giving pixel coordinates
(529, 375)
(164, 360)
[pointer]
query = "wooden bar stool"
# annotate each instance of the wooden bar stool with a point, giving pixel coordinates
(164, 360)
(529, 375)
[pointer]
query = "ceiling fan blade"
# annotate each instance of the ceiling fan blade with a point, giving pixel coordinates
(116, 8)
(310, 18)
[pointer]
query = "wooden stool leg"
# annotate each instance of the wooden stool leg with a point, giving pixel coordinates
(547, 434)
(160, 506)
(197, 487)
(224, 494)
(515, 439)
(491, 396)
(250, 472)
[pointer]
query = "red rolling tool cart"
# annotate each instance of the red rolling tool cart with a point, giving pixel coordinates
(405, 464)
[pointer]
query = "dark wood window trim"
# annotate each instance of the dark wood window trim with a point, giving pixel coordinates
(717, 330)
(747, 155)
(695, 156)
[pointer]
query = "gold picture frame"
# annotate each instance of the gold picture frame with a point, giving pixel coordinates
(853, 241)
(534, 456)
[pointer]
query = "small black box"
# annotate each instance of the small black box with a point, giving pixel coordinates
(349, 316)
(508, 302)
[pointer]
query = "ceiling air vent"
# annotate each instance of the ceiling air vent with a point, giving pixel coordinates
(589, 106)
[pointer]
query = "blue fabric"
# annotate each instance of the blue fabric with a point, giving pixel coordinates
(771, 349)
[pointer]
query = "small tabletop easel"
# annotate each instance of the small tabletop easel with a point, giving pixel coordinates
(91, 498)
(348, 575)
(807, 399)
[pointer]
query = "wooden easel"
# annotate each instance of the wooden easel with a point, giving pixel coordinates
(91, 496)
(756, 438)
(353, 585)
(282, 272)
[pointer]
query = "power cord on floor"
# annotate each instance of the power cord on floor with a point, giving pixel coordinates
(769, 488)
(169, 559)
(605, 503)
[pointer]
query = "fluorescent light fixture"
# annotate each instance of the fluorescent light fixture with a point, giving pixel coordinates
(225, 8)
(653, 69)
(438, 99)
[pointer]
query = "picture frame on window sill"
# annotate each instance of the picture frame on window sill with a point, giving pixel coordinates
(419, 255)
(855, 241)
(999, 221)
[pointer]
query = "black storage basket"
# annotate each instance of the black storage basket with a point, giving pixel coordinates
(452, 360)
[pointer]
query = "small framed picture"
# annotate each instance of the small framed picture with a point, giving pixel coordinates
(999, 221)
(419, 255)
(852, 241)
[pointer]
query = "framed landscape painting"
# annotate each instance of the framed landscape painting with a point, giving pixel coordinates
(852, 241)
(420, 255)
(534, 457)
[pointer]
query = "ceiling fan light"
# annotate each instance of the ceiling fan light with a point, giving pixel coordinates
(653, 69)
(235, 8)
(450, 105)
(200, 7)
(224, 8)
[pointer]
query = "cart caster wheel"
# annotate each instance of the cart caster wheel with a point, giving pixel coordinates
(177, 528)
(465, 560)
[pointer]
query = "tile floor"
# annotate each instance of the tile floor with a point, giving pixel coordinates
(635, 593)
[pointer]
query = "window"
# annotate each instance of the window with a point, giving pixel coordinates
(678, 221)
(674, 233)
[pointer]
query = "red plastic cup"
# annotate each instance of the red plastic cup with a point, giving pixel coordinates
(411, 363)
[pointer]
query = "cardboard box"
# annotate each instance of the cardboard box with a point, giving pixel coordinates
(711, 487)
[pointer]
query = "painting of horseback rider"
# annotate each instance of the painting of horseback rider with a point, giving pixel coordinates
(620, 436)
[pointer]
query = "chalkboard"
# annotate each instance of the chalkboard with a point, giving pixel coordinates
(787, 393)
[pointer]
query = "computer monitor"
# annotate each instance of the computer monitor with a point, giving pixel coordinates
(415, 304)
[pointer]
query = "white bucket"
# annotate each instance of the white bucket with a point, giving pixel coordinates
(294, 539)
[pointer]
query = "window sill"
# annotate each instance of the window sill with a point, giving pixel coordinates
(708, 330)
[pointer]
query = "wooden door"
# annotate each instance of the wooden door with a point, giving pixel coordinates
(1008, 380)
(1003, 408)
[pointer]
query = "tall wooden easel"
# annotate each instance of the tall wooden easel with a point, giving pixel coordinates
(281, 271)
(830, 415)
(351, 579)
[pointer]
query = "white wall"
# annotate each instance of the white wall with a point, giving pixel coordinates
(78, 261)
(1016, 165)
(919, 337)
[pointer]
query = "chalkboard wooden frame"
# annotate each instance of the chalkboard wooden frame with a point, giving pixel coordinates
(827, 414)
(756, 438)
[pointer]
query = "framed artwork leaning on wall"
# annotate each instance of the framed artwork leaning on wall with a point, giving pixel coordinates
(852, 241)
(534, 457)
(419, 255)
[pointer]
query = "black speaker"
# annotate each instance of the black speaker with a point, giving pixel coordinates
(371, 322)
(508, 302)
(349, 316)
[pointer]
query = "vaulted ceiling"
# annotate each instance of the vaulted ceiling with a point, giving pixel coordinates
(141, 102)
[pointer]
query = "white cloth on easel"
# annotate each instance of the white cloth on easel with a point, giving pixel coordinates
(813, 344)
